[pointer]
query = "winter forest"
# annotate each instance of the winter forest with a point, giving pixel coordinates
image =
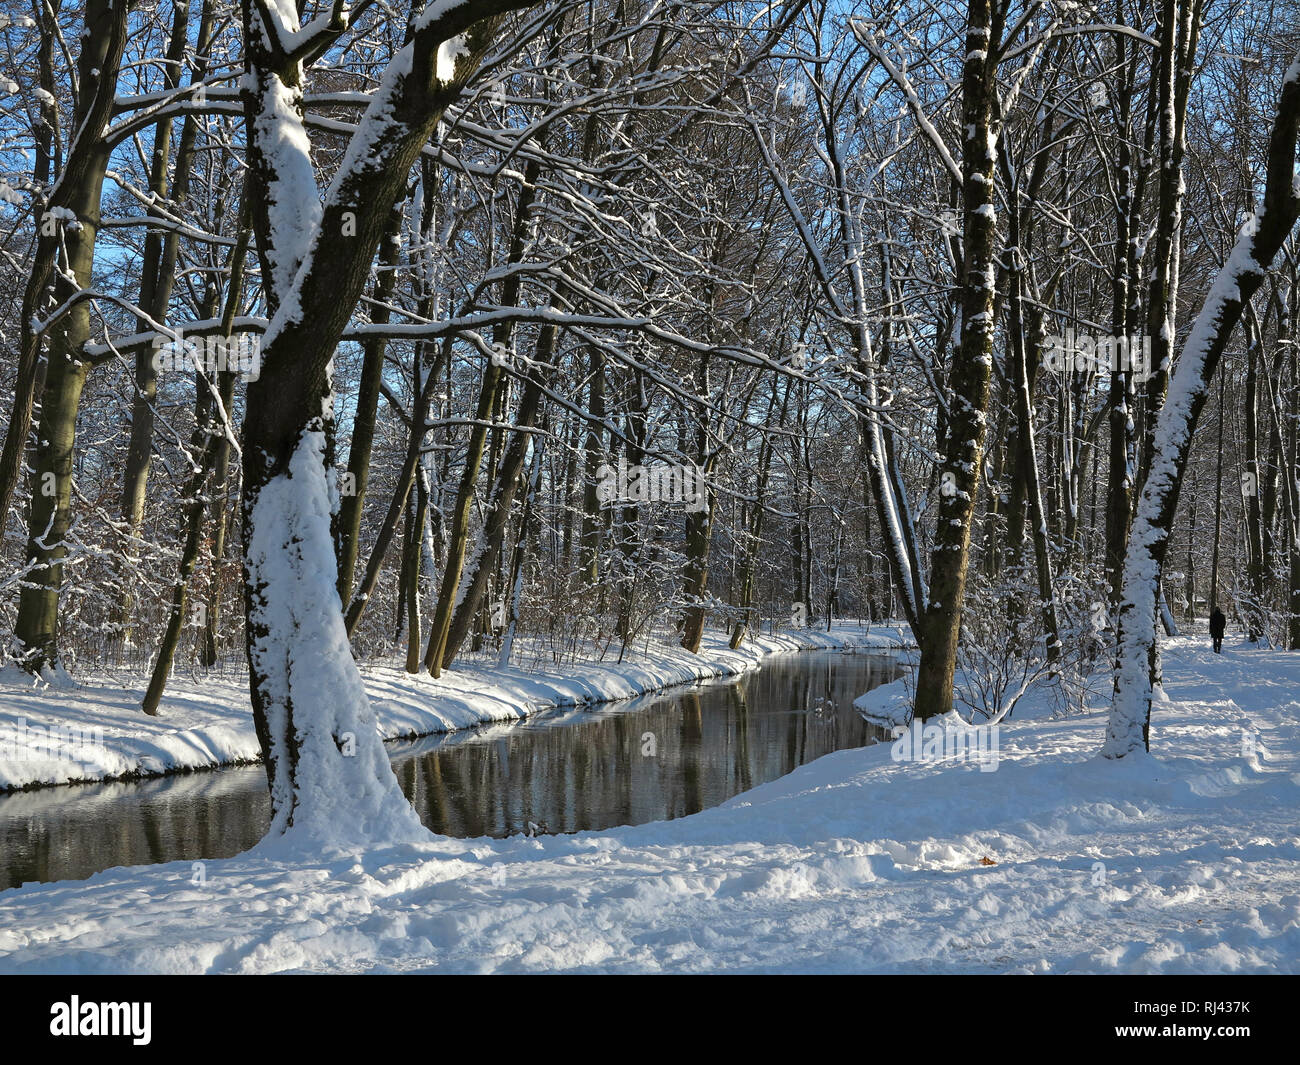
(373, 370)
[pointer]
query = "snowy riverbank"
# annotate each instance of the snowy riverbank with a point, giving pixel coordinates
(1184, 861)
(55, 735)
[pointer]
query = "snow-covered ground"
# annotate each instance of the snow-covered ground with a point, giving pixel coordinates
(1184, 861)
(53, 735)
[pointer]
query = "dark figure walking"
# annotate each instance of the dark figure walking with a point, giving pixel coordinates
(1217, 624)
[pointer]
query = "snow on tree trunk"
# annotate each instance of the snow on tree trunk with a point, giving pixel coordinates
(329, 775)
(327, 766)
(1128, 730)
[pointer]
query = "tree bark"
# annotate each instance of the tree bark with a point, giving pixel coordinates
(211, 439)
(77, 190)
(970, 379)
(327, 769)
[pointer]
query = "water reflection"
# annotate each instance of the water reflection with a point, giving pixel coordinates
(653, 758)
(73, 832)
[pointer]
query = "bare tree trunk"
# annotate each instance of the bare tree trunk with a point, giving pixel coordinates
(964, 460)
(1179, 32)
(1250, 484)
(1027, 458)
(515, 595)
(347, 524)
(699, 522)
(211, 439)
(220, 526)
(1218, 506)
(699, 530)
(1189, 578)
(78, 191)
(36, 628)
(158, 271)
(493, 372)
(593, 457)
(207, 432)
(1291, 461)
(1122, 472)
(754, 528)
(417, 517)
(405, 479)
(475, 578)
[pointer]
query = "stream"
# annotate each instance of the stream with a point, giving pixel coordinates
(651, 758)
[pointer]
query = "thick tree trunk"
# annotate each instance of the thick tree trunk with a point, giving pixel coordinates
(1122, 470)
(78, 191)
(963, 465)
(328, 771)
(1179, 31)
(37, 627)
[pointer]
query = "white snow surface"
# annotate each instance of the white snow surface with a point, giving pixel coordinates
(449, 54)
(334, 773)
(1187, 860)
(889, 705)
(294, 207)
(204, 722)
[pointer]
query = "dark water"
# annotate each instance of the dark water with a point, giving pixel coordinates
(652, 758)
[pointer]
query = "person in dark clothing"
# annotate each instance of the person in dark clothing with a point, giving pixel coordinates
(1217, 624)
